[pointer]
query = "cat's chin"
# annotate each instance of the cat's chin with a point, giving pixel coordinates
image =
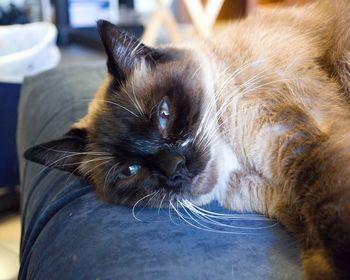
(203, 184)
(212, 182)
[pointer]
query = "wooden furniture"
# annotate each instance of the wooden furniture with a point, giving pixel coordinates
(161, 15)
(203, 15)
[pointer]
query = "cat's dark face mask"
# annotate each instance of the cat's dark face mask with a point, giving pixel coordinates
(143, 142)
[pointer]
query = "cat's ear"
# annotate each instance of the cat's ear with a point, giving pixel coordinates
(65, 153)
(123, 50)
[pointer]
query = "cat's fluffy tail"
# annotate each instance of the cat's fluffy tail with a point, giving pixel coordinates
(326, 208)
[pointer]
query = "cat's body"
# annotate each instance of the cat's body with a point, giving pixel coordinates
(256, 117)
(292, 132)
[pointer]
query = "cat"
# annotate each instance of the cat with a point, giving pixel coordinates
(256, 117)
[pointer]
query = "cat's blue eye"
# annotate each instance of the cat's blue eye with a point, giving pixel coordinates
(163, 113)
(129, 171)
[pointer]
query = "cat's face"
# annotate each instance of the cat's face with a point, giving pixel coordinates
(149, 138)
(149, 125)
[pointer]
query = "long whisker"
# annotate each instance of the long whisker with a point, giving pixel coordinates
(210, 219)
(161, 202)
(88, 172)
(210, 127)
(75, 153)
(200, 226)
(152, 195)
(137, 102)
(241, 216)
(107, 176)
(115, 104)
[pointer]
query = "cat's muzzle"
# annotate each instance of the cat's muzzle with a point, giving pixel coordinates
(170, 163)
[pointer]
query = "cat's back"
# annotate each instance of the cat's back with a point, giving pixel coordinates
(291, 39)
(292, 56)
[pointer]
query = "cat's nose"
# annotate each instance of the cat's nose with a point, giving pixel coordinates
(169, 162)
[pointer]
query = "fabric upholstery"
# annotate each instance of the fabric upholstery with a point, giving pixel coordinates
(69, 234)
(9, 96)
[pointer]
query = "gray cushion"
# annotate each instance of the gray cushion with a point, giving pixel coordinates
(69, 234)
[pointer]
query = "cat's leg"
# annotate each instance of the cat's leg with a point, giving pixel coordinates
(248, 192)
(310, 171)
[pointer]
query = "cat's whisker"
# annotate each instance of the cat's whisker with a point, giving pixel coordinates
(152, 195)
(133, 100)
(54, 163)
(210, 131)
(79, 163)
(183, 218)
(213, 219)
(201, 131)
(89, 172)
(247, 90)
(123, 107)
(169, 213)
(240, 70)
(255, 217)
(136, 49)
(224, 71)
(207, 219)
(107, 176)
(207, 111)
(136, 100)
(205, 121)
(259, 75)
(201, 226)
(74, 153)
(211, 142)
(120, 106)
(220, 224)
(86, 161)
(152, 111)
(161, 203)
(196, 72)
(247, 84)
(197, 215)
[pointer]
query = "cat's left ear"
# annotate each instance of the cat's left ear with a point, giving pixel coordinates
(123, 50)
(65, 153)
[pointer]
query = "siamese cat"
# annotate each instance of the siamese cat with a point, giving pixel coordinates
(256, 117)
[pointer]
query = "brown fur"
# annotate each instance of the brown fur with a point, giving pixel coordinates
(303, 169)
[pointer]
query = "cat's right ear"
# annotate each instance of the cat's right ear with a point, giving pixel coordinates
(65, 153)
(123, 50)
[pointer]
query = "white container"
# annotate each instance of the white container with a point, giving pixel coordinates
(26, 50)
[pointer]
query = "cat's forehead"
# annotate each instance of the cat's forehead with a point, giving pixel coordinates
(177, 76)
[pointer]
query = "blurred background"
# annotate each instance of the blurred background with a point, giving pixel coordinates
(37, 35)
(76, 19)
